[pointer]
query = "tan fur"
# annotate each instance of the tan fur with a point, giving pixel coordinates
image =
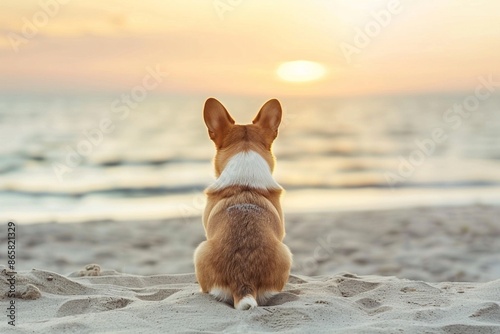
(244, 253)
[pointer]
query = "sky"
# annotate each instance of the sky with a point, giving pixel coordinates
(362, 47)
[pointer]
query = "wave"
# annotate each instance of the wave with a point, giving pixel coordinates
(131, 192)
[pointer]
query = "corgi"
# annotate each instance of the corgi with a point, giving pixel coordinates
(243, 260)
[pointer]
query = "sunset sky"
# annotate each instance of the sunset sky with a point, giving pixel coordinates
(236, 47)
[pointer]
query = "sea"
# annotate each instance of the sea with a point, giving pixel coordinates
(88, 157)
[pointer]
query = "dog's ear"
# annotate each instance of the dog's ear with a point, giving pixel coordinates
(217, 120)
(269, 116)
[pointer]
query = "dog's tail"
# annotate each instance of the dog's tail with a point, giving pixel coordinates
(244, 298)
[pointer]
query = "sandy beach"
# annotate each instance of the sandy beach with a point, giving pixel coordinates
(420, 270)
(382, 117)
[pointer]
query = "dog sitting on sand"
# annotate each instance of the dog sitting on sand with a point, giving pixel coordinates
(244, 260)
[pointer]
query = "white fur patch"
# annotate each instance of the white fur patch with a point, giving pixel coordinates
(246, 303)
(246, 169)
(221, 295)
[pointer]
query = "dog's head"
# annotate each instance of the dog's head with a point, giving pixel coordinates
(231, 138)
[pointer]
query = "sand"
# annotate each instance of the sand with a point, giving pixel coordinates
(421, 270)
(345, 303)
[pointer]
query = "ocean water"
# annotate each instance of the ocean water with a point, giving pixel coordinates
(84, 158)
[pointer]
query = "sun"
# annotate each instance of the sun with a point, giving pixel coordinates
(301, 71)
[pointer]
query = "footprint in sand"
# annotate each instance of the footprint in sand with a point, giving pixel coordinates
(158, 295)
(23, 288)
(282, 298)
(371, 306)
(31, 285)
(467, 329)
(368, 303)
(92, 305)
(488, 312)
(353, 287)
(282, 319)
(415, 293)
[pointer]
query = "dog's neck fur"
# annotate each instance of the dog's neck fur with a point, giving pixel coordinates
(246, 169)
